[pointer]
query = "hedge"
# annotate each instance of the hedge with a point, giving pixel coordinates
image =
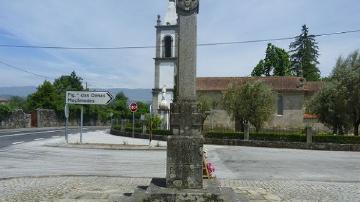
(265, 136)
(259, 136)
(139, 130)
(337, 139)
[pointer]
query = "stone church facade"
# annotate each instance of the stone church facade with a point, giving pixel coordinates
(291, 94)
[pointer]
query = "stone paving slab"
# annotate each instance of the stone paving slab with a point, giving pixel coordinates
(96, 188)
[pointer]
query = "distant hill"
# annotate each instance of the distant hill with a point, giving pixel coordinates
(21, 91)
(144, 95)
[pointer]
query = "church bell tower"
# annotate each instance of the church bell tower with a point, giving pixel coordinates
(166, 55)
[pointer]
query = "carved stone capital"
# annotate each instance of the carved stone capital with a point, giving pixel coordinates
(187, 7)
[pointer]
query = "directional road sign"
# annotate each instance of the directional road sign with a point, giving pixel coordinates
(88, 98)
(133, 107)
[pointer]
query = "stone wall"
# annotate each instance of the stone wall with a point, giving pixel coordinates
(17, 119)
(47, 118)
(292, 117)
(42, 118)
(293, 112)
(219, 119)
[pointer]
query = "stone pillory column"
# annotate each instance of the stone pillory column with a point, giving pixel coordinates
(184, 150)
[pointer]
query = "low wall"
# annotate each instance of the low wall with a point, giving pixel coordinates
(17, 119)
(271, 144)
(47, 118)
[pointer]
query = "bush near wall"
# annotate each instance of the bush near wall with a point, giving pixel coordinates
(287, 137)
(259, 136)
(5, 112)
(337, 139)
(264, 136)
(139, 130)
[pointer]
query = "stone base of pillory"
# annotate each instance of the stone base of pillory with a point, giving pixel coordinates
(184, 162)
(158, 192)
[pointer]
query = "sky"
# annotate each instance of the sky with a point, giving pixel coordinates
(109, 23)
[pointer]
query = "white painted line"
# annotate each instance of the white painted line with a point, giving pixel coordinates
(37, 139)
(29, 133)
(14, 143)
(56, 136)
(13, 131)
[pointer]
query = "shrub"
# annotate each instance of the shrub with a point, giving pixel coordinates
(136, 130)
(5, 112)
(161, 132)
(226, 135)
(337, 139)
(278, 137)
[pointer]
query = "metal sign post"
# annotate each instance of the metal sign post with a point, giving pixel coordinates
(66, 122)
(81, 123)
(85, 98)
(133, 125)
(151, 129)
(133, 108)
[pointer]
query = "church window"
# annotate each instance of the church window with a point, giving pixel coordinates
(168, 47)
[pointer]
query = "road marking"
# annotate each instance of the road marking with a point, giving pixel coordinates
(37, 139)
(56, 136)
(22, 134)
(14, 143)
(13, 131)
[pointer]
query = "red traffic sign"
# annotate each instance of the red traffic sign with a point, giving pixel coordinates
(133, 107)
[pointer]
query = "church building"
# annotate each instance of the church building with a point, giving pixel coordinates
(291, 92)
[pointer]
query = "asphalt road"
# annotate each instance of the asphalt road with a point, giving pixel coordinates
(293, 175)
(20, 136)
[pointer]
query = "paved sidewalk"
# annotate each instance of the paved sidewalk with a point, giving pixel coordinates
(101, 189)
(78, 174)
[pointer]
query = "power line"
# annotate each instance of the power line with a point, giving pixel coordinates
(277, 39)
(151, 47)
(23, 70)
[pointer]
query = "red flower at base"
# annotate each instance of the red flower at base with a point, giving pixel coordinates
(211, 168)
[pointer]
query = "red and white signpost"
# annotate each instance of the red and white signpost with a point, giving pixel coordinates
(133, 108)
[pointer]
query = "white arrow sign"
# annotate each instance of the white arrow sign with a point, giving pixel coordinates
(88, 98)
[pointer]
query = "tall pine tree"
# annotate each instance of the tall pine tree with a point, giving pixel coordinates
(304, 53)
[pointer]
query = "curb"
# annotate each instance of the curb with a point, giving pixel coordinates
(108, 147)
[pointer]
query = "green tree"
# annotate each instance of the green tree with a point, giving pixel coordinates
(70, 82)
(65, 83)
(204, 105)
(330, 105)
(152, 122)
(16, 102)
(347, 74)
(276, 63)
(259, 69)
(45, 97)
(119, 106)
(251, 103)
(143, 108)
(304, 53)
(338, 103)
(5, 112)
